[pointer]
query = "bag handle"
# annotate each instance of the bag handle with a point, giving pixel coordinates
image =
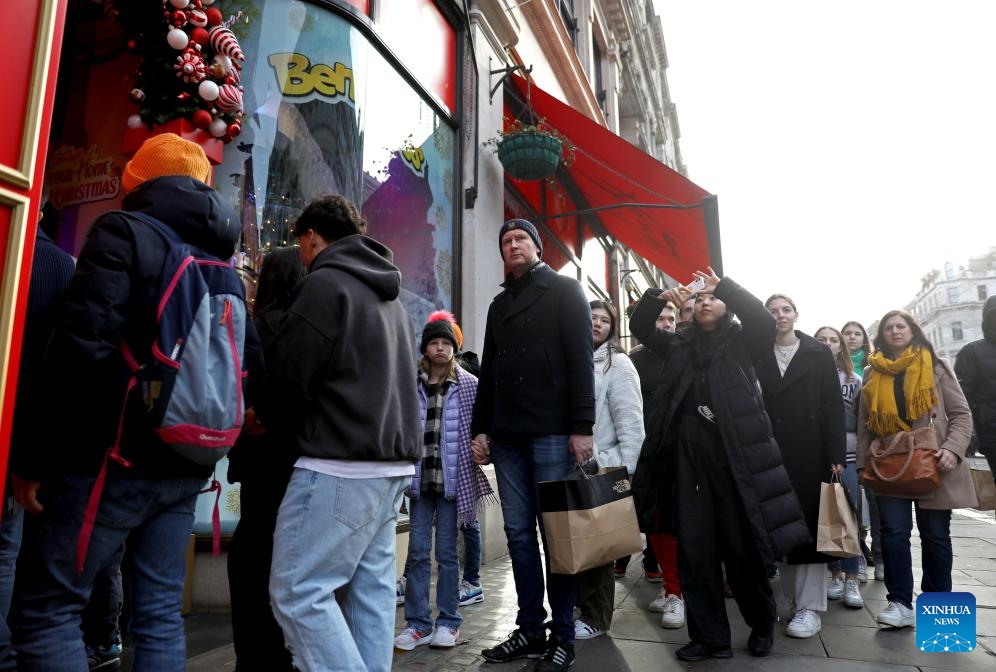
(906, 465)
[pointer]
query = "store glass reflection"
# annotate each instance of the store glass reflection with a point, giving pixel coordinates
(327, 113)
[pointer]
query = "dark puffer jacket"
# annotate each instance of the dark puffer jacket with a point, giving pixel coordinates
(976, 371)
(111, 299)
(755, 460)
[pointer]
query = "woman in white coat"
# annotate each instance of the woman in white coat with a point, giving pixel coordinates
(618, 436)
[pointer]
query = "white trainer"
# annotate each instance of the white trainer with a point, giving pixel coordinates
(836, 589)
(657, 605)
(445, 638)
(673, 616)
(410, 638)
(896, 615)
(584, 631)
(852, 594)
(805, 623)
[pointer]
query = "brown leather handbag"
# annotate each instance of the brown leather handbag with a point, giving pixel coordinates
(903, 463)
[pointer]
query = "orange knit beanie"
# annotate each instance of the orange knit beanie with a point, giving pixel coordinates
(165, 154)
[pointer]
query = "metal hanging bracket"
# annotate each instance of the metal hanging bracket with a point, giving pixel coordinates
(505, 72)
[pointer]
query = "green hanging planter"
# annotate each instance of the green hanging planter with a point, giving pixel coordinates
(530, 155)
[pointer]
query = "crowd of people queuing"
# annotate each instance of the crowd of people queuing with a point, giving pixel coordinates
(727, 418)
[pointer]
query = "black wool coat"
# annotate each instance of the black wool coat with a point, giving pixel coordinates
(807, 413)
(755, 461)
(537, 375)
(976, 371)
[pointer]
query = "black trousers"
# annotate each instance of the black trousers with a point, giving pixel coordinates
(713, 528)
(258, 640)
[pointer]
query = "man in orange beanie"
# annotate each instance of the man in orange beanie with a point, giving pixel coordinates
(149, 494)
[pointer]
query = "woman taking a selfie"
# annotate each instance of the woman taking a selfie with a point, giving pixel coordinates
(709, 467)
(907, 388)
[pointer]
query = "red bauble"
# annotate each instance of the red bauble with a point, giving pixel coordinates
(234, 129)
(214, 16)
(179, 18)
(201, 119)
(200, 36)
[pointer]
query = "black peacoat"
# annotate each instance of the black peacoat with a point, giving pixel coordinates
(807, 413)
(755, 460)
(537, 375)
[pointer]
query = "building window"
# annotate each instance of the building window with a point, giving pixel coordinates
(952, 295)
(949, 270)
(956, 333)
(983, 293)
(566, 8)
(597, 58)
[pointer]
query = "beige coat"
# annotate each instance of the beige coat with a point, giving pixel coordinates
(953, 422)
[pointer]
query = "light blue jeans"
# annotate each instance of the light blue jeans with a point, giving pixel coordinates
(417, 610)
(332, 577)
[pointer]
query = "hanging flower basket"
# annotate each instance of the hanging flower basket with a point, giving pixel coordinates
(531, 155)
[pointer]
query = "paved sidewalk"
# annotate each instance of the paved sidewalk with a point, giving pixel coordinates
(849, 641)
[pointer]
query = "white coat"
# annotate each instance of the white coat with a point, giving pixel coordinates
(618, 432)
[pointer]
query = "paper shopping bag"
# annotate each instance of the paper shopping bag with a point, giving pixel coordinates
(837, 530)
(589, 521)
(982, 479)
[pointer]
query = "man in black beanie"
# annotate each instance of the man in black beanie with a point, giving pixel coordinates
(533, 418)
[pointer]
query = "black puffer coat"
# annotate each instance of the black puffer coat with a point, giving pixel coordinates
(976, 371)
(755, 461)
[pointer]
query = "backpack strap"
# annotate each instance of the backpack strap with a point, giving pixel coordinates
(171, 236)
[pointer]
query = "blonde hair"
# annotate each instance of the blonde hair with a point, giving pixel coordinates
(423, 364)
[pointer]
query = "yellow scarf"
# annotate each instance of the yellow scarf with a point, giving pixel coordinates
(880, 394)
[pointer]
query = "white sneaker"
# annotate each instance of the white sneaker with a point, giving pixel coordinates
(584, 631)
(852, 594)
(805, 623)
(862, 569)
(445, 638)
(399, 590)
(880, 572)
(410, 638)
(836, 589)
(896, 615)
(674, 613)
(657, 605)
(470, 593)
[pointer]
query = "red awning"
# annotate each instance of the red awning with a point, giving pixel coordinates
(613, 174)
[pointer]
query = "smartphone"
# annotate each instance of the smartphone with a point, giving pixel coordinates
(698, 284)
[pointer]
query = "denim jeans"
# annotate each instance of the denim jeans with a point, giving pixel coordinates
(332, 578)
(103, 611)
(519, 466)
(417, 610)
(472, 552)
(10, 544)
(937, 558)
(850, 480)
(156, 517)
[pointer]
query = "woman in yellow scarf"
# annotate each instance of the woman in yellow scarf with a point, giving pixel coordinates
(906, 387)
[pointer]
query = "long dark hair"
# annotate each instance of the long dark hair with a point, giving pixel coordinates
(919, 338)
(613, 338)
(843, 357)
(281, 271)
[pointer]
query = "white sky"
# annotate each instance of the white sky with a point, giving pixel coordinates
(852, 144)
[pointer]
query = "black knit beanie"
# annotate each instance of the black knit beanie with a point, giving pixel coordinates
(440, 325)
(524, 225)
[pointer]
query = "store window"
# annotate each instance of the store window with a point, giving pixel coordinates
(982, 292)
(328, 113)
